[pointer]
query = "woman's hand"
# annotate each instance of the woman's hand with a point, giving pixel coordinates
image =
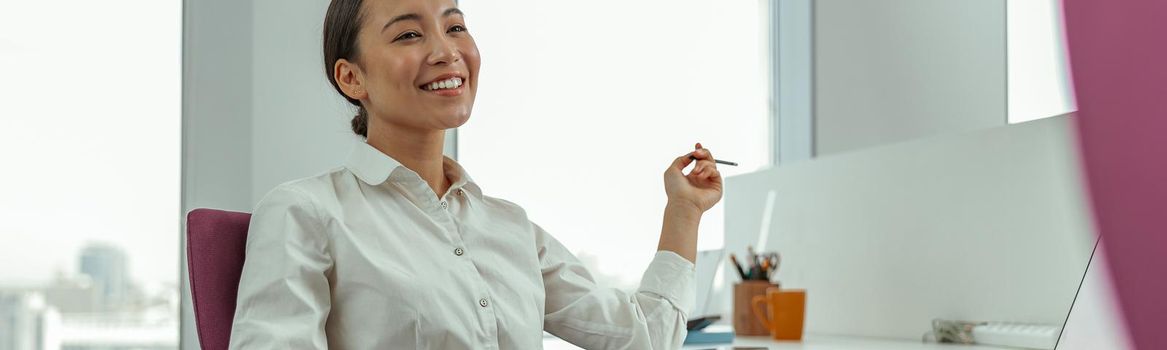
(701, 189)
(689, 197)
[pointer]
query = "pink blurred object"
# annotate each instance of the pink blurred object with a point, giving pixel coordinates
(216, 240)
(1118, 56)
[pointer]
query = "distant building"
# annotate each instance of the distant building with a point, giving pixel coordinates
(98, 309)
(72, 295)
(27, 323)
(106, 267)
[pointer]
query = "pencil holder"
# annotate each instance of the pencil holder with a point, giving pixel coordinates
(744, 321)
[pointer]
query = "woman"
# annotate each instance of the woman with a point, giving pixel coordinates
(400, 249)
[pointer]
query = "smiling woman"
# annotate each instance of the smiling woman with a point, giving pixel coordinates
(400, 248)
(398, 50)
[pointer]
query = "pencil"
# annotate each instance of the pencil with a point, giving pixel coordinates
(738, 267)
(718, 161)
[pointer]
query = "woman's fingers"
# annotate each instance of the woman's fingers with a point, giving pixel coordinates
(703, 154)
(712, 175)
(683, 161)
(705, 169)
(705, 165)
(703, 158)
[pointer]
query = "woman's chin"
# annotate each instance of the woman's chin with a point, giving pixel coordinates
(454, 120)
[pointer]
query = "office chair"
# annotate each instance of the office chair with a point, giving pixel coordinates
(215, 245)
(1117, 54)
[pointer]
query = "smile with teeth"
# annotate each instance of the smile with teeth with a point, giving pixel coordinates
(452, 83)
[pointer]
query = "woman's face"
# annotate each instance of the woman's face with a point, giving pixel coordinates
(418, 64)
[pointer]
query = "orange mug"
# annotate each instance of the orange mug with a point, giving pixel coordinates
(787, 309)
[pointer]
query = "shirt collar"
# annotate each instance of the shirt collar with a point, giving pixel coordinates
(375, 168)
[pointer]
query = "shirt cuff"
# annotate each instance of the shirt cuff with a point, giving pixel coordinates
(671, 276)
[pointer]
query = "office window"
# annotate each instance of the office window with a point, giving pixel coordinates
(1039, 73)
(583, 105)
(89, 193)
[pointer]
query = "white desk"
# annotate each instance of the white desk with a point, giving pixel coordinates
(810, 342)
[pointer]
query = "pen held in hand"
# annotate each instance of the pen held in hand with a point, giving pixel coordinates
(718, 161)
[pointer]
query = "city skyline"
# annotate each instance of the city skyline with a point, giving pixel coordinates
(103, 306)
(40, 267)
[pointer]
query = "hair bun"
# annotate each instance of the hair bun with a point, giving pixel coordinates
(361, 122)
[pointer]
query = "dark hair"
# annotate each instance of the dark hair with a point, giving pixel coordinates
(342, 23)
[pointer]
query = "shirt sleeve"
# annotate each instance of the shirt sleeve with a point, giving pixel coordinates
(284, 294)
(584, 314)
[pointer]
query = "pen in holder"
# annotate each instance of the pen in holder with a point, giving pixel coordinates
(756, 279)
(744, 321)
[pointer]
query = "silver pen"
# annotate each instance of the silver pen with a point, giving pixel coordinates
(718, 161)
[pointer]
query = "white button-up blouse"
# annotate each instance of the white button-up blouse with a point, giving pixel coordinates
(366, 256)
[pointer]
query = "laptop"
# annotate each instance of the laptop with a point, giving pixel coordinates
(707, 267)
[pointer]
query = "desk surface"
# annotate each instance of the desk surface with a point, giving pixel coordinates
(810, 342)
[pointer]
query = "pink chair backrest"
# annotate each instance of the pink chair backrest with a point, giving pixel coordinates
(1118, 56)
(215, 245)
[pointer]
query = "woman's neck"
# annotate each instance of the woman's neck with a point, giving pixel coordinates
(420, 151)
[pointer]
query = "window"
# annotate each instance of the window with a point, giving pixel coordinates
(1038, 76)
(90, 139)
(582, 106)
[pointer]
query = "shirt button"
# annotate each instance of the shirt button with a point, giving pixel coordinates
(444, 205)
(483, 302)
(459, 192)
(458, 251)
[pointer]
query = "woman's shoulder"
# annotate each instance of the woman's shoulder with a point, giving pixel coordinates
(307, 191)
(503, 206)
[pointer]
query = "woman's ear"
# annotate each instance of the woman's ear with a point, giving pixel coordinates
(351, 80)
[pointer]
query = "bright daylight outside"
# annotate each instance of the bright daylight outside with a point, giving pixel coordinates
(582, 106)
(89, 217)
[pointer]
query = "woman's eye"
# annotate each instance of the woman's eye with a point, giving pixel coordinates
(458, 28)
(407, 35)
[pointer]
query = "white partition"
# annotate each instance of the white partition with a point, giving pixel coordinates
(986, 225)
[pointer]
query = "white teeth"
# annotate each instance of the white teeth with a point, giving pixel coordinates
(451, 83)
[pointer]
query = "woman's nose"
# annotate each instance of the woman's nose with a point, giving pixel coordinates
(444, 52)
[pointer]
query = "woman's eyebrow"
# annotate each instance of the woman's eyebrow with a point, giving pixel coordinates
(408, 16)
(451, 11)
(416, 17)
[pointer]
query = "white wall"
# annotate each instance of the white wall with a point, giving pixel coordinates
(216, 104)
(985, 226)
(893, 70)
(300, 125)
(792, 85)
